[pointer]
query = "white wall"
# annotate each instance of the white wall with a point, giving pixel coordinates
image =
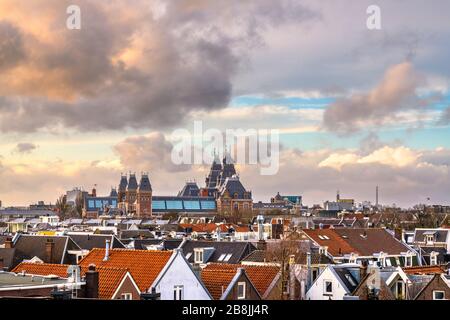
(180, 273)
(317, 290)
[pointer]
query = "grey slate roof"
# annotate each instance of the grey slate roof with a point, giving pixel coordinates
(90, 241)
(132, 183)
(29, 246)
(440, 235)
(234, 186)
(238, 249)
(144, 184)
(190, 189)
(123, 183)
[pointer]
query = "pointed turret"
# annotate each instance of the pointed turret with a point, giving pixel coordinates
(144, 184)
(132, 183)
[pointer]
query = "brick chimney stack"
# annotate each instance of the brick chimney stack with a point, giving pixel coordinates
(49, 250)
(91, 282)
(8, 243)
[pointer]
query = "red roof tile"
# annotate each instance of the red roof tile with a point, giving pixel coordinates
(260, 276)
(217, 282)
(143, 265)
(108, 278)
(337, 246)
(424, 270)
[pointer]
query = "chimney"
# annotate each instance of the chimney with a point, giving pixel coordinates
(91, 282)
(8, 243)
(94, 192)
(363, 269)
(49, 250)
(106, 258)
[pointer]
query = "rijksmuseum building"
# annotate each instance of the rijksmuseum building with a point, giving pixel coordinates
(223, 192)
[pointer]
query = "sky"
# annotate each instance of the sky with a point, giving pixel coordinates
(355, 108)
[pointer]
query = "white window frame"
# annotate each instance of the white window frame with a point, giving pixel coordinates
(438, 291)
(198, 255)
(325, 287)
(178, 291)
(433, 259)
(126, 296)
(408, 260)
(241, 285)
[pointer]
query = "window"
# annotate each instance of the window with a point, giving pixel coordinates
(409, 261)
(178, 293)
(222, 256)
(227, 257)
(438, 295)
(314, 274)
(433, 258)
(328, 286)
(241, 290)
(198, 255)
(126, 296)
(429, 239)
(400, 290)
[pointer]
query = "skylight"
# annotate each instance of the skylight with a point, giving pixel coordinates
(228, 256)
(222, 256)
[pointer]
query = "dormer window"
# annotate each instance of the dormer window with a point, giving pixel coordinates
(323, 250)
(408, 260)
(433, 258)
(198, 255)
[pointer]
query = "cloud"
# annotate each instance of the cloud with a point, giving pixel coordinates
(25, 147)
(151, 152)
(404, 184)
(445, 117)
(396, 92)
(139, 65)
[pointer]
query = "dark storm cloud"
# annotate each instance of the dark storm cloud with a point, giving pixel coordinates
(129, 68)
(25, 147)
(11, 46)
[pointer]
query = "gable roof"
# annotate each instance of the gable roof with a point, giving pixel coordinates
(261, 276)
(337, 246)
(108, 278)
(218, 283)
(238, 249)
(364, 241)
(91, 241)
(29, 246)
(441, 235)
(144, 265)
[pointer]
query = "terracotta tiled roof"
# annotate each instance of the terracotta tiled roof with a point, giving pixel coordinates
(260, 276)
(424, 270)
(217, 281)
(337, 246)
(144, 265)
(42, 269)
(108, 281)
(108, 278)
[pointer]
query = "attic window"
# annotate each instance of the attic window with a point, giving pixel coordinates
(322, 237)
